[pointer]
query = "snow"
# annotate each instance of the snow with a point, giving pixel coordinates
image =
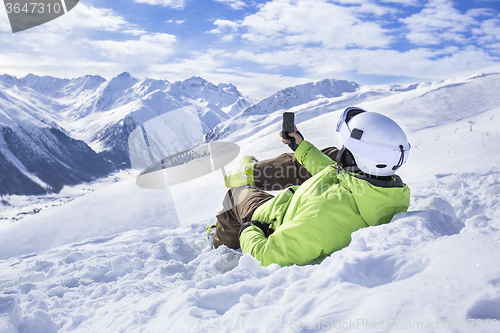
(120, 258)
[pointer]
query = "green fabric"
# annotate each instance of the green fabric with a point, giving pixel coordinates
(319, 218)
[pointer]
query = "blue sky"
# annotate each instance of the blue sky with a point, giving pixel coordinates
(261, 46)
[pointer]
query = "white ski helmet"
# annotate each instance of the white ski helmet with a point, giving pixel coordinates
(377, 143)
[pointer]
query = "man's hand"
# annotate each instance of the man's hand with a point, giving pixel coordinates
(296, 138)
(262, 226)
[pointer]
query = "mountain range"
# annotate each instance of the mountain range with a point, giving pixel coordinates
(56, 132)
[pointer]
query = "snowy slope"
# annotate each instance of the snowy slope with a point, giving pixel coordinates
(113, 260)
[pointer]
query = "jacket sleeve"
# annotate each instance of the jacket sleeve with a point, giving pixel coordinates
(290, 244)
(312, 158)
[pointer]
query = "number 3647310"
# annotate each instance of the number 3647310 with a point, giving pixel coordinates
(33, 8)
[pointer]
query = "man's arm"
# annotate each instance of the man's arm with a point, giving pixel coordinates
(312, 158)
(288, 245)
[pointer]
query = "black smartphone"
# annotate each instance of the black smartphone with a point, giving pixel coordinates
(288, 124)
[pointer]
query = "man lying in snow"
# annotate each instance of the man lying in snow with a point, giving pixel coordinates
(329, 194)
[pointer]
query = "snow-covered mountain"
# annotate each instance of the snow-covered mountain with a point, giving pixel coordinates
(301, 94)
(80, 127)
(36, 154)
(127, 263)
(284, 100)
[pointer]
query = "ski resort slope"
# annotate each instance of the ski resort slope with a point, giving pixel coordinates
(125, 259)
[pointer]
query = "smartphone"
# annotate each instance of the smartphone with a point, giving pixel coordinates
(288, 124)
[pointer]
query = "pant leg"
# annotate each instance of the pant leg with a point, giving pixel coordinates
(276, 174)
(238, 207)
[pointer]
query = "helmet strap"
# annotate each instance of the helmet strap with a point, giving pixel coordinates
(401, 159)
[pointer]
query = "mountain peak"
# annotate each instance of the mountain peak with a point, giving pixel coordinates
(94, 77)
(122, 82)
(229, 88)
(43, 84)
(124, 75)
(89, 82)
(10, 79)
(195, 81)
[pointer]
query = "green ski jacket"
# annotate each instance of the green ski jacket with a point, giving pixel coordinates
(317, 218)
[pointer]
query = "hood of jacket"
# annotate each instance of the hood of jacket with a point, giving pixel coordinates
(377, 200)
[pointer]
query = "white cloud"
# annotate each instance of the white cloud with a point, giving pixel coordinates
(61, 56)
(404, 2)
(68, 46)
(369, 7)
(301, 22)
(202, 62)
(4, 22)
(234, 4)
(21, 64)
(154, 46)
(223, 26)
(62, 36)
(87, 18)
(176, 4)
(418, 63)
(326, 39)
(440, 22)
(489, 35)
(424, 63)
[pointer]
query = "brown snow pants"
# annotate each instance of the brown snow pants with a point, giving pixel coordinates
(239, 204)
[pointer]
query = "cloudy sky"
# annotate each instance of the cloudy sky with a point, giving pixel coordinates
(261, 46)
